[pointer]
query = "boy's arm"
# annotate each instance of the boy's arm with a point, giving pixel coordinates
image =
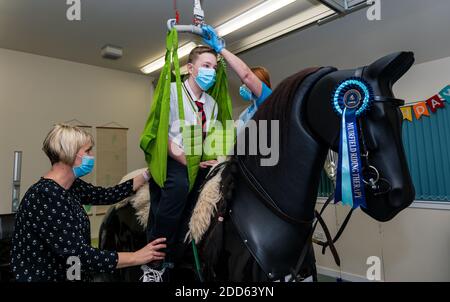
(176, 152)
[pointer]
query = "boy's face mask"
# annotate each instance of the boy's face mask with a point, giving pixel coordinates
(205, 78)
(86, 167)
(245, 93)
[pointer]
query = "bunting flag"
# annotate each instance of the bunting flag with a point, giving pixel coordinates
(420, 109)
(434, 103)
(407, 114)
(423, 108)
(445, 93)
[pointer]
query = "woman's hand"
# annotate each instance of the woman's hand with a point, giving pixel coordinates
(140, 180)
(145, 255)
(208, 163)
(150, 252)
(211, 38)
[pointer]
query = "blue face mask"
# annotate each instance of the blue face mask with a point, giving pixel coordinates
(86, 167)
(206, 78)
(246, 93)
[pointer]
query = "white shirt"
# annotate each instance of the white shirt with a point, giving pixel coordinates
(190, 116)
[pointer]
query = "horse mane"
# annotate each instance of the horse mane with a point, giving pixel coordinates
(278, 105)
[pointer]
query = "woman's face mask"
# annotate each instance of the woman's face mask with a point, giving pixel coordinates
(205, 78)
(86, 166)
(246, 93)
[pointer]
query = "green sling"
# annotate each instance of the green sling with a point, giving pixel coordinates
(154, 139)
(221, 133)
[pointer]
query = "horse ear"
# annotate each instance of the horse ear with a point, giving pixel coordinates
(390, 68)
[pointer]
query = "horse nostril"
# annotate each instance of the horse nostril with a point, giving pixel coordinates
(396, 197)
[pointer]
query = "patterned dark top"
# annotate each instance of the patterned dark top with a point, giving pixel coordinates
(51, 225)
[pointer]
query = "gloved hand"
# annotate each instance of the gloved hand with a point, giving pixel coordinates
(211, 38)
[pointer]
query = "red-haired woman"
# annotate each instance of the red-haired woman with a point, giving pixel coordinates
(256, 87)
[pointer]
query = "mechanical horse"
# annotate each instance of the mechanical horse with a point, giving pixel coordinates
(253, 222)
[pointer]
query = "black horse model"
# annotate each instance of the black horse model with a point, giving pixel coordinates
(262, 226)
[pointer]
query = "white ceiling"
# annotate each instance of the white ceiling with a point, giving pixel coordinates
(139, 26)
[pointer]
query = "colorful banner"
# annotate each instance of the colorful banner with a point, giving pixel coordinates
(423, 108)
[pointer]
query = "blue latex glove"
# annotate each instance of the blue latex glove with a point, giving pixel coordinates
(211, 38)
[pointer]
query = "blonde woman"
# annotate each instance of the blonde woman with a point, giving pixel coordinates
(51, 224)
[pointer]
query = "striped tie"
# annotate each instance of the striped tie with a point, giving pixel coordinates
(202, 112)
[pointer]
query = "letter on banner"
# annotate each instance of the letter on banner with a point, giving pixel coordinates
(407, 114)
(434, 103)
(421, 109)
(445, 93)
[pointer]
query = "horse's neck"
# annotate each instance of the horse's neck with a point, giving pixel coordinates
(293, 182)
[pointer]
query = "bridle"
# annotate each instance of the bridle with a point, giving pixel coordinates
(374, 182)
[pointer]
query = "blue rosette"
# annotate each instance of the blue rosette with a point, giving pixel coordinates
(351, 99)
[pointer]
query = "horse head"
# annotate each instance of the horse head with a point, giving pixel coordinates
(380, 131)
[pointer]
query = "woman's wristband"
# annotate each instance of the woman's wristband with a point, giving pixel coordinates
(146, 175)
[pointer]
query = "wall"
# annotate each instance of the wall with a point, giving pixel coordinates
(37, 92)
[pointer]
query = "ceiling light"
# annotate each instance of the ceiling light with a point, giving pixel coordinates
(159, 63)
(251, 16)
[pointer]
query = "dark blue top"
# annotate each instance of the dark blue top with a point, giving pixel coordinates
(52, 225)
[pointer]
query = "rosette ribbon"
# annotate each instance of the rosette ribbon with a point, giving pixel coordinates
(351, 99)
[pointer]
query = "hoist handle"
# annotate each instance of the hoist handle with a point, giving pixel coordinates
(194, 29)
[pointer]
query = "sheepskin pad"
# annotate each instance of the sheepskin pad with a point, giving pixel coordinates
(204, 210)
